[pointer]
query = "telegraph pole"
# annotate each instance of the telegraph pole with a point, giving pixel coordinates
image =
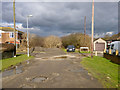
(84, 27)
(92, 29)
(14, 28)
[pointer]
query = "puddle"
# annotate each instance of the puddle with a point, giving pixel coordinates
(64, 57)
(18, 70)
(8, 73)
(44, 58)
(39, 79)
(59, 57)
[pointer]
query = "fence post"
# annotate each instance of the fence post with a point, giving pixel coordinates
(95, 53)
(109, 51)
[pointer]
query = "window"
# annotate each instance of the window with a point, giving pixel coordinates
(112, 46)
(11, 34)
(0, 35)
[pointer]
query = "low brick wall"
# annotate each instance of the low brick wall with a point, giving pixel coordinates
(113, 58)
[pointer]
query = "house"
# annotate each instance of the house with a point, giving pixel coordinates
(7, 35)
(99, 45)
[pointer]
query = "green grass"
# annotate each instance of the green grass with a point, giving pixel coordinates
(13, 61)
(102, 69)
(65, 50)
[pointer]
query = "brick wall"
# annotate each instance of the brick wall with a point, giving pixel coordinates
(6, 37)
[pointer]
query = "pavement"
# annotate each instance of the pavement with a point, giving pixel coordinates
(52, 68)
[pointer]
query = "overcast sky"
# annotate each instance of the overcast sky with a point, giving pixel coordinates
(62, 18)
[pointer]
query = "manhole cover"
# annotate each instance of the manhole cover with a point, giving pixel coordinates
(39, 79)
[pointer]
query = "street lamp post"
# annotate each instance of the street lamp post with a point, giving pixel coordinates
(28, 36)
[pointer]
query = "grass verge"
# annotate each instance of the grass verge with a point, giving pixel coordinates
(14, 60)
(85, 52)
(102, 69)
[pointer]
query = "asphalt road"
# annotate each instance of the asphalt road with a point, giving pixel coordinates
(52, 68)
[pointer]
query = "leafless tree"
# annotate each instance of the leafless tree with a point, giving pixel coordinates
(52, 42)
(76, 39)
(36, 41)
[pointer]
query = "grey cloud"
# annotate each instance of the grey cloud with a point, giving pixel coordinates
(63, 18)
(61, 1)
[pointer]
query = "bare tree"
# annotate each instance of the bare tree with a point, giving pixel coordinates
(23, 41)
(36, 41)
(52, 42)
(77, 40)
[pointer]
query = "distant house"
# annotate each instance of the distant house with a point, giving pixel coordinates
(7, 35)
(99, 45)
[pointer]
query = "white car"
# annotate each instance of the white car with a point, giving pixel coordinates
(115, 46)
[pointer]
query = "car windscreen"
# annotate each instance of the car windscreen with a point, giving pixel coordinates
(70, 46)
(112, 46)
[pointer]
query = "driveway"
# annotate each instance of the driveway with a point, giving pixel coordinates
(52, 68)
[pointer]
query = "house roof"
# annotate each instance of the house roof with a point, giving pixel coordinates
(8, 29)
(100, 40)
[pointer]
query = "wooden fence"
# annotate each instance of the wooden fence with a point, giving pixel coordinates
(113, 57)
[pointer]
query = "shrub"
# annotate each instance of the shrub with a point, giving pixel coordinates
(7, 47)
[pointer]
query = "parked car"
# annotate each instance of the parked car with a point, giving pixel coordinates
(70, 48)
(115, 46)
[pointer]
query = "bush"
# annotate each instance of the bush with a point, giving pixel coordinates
(77, 39)
(52, 42)
(36, 41)
(7, 47)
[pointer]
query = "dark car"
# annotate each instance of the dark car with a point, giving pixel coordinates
(71, 48)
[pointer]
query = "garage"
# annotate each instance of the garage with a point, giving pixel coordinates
(99, 45)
